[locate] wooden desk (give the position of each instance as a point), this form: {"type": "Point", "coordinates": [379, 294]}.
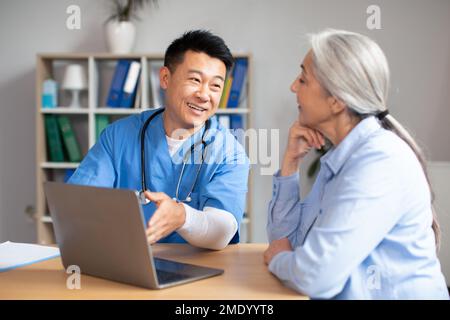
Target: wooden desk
{"type": "Point", "coordinates": [246, 277]}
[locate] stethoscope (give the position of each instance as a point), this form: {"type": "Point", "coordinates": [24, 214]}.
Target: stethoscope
{"type": "Point", "coordinates": [188, 198]}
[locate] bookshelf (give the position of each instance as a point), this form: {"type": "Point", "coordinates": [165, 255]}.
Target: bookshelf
{"type": "Point", "coordinates": [99, 68]}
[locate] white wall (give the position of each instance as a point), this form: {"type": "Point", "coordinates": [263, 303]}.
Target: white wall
{"type": "Point", "coordinates": [440, 177]}
{"type": "Point", "coordinates": [414, 37]}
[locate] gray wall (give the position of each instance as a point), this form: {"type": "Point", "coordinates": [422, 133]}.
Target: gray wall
{"type": "Point", "coordinates": [414, 36]}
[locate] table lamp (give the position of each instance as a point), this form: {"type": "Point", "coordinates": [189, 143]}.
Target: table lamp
{"type": "Point", "coordinates": [75, 81]}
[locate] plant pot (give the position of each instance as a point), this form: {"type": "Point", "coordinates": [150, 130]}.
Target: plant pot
{"type": "Point", "coordinates": [120, 36]}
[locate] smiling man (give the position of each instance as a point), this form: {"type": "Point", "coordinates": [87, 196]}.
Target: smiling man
{"type": "Point", "coordinates": [162, 152]}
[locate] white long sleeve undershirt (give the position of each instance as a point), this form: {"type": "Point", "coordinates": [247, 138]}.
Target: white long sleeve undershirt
{"type": "Point", "coordinates": [211, 228]}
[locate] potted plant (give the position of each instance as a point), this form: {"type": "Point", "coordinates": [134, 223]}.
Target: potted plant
{"type": "Point", "coordinates": [120, 29]}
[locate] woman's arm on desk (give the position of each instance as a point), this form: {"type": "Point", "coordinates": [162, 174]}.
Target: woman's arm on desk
{"type": "Point", "coordinates": [353, 223]}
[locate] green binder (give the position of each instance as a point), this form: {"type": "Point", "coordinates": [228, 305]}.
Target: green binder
{"type": "Point", "coordinates": [101, 122]}
{"type": "Point", "coordinates": [54, 145]}
{"type": "Point", "coordinates": [70, 142]}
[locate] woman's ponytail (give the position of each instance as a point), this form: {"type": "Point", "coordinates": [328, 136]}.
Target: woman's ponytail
{"type": "Point", "coordinates": [390, 123]}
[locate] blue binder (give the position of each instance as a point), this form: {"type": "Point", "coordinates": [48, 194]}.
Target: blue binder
{"type": "Point", "coordinates": [130, 85]}
{"type": "Point", "coordinates": [239, 75]}
{"type": "Point", "coordinates": [117, 82]}
{"type": "Point", "coordinates": [236, 123]}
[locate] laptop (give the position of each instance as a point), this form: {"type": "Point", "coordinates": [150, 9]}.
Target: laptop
{"type": "Point", "coordinates": [102, 231]}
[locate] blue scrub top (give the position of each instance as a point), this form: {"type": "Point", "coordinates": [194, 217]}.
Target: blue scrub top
{"type": "Point", "coordinates": [115, 162]}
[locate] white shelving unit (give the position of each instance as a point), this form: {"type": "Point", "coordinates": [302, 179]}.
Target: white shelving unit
{"type": "Point", "coordinates": [99, 69]}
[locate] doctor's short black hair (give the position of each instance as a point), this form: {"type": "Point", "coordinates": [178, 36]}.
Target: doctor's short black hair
{"type": "Point", "coordinates": [197, 41]}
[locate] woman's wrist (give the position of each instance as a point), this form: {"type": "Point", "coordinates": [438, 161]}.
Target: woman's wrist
{"type": "Point", "coordinates": [289, 166]}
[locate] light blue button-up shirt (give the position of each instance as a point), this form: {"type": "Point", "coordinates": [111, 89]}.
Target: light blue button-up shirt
{"type": "Point", "coordinates": [364, 231]}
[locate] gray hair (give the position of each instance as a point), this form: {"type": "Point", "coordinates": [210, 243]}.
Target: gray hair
{"type": "Point", "coordinates": [354, 69]}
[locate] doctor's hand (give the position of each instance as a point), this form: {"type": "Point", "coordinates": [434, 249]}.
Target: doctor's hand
{"type": "Point", "coordinates": [301, 140]}
{"type": "Point", "coordinates": [276, 247]}
{"type": "Point", "coordinates": [168, 217]}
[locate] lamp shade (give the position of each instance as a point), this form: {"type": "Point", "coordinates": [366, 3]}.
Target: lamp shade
{"type": "Point", "coordinates": [74, 78]}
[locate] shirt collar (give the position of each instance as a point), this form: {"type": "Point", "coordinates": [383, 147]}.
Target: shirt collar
{"type": "Point", "coordinates": [336, 156]}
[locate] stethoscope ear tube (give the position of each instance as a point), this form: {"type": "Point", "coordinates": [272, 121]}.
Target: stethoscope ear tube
{"type": "Point", "coordinates": [142, 137]}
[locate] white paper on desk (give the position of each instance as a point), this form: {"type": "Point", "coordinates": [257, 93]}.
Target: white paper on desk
{"type": "Point", "coordinates": [14, 255]}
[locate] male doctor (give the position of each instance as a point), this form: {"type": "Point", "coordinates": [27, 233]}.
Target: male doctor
{"type": "Point", "coordinates": [197, 201]}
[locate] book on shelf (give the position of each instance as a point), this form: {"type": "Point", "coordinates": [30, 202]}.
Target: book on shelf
{"type": "Point", "coordinates": [117, 83]}
{"type": "Point", "coordinates": [224, 120]}
{"type": "Point", "coordinates": [239, 76]}
{"type": "Point", "coordinates": [157, 93]}
{"type": "Point", "coordinates": [237, 127]}
{"type": "Point", "coordinates": [226, 91]}
{"type": "Point", "coordinates": [138, 98]}
{"type": "Point", "coordinates": [68, 136]}
{"type": "Point", "coordinates": [128, 93]}
{"type": "Point", "coordinates": [233, 122]}
{"type": "Point", "coordinates": [55, 151]}
{"type": "Point", "coordinates": [101, 122]}
{"type": "Point", "coordinates": [236, 121]}
{"type": "Point", "coordinates": [49, 94]}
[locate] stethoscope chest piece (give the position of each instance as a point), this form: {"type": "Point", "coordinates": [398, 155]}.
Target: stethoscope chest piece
{"type": "Point", "coordinates": [142, 198]}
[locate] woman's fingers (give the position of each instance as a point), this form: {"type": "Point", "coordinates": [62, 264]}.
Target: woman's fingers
{"type": "Point", "coordinates": [318, 139]}
{"type": "Point", "coordinates": [322, 138]}
{"type": "Point", "coordinates": [313, 137]}
{"type": "Point", "coordinates": [309, 137]}
{"type": "Point", "coordinates": [301, 140]}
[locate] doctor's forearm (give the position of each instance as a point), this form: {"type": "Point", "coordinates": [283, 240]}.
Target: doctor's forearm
{"type": "Point", "coordinates": [211, 229]}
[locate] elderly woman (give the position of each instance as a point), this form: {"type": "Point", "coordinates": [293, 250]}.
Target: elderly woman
{"type": "Point", "coordinates": [367, 229]}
